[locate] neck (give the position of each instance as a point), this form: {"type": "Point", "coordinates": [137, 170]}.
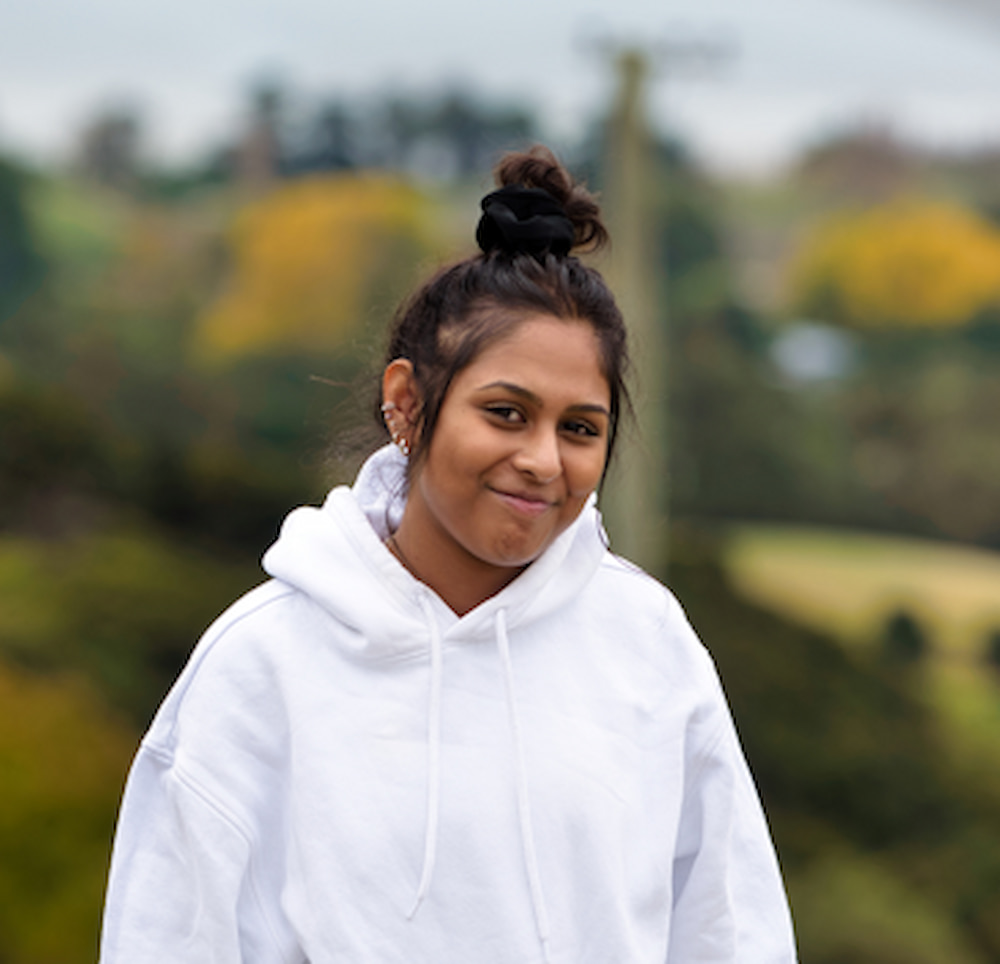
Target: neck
{"type": "Point", "coordinates": [462, 580]}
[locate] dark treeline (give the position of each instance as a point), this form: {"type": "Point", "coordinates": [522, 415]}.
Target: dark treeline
{"type": "Point", "coordinates": [451, 135]}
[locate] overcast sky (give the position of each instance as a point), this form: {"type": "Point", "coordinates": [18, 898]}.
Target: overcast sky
{"type": "Point", "coordinates": [800, 67]}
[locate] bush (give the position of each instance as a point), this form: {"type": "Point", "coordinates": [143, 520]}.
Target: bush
{"type": "Point", "coordinates": [904, 640]}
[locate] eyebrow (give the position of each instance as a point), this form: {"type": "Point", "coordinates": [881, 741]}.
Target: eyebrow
{"type": "Point", "coordinates": [531, 397]}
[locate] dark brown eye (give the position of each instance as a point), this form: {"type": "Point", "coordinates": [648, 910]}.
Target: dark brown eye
{"type": "Point", "coordinates": [506, 413]}
{"type": "Point", "coordinates": [582, 428]}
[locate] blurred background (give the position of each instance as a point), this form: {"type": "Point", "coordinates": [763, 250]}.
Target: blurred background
{"type": "Point", "coordinates": [208, 213]}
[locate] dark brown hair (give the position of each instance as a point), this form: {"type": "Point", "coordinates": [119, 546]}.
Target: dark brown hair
{"type": "Point", "coordinates": [470, 305]}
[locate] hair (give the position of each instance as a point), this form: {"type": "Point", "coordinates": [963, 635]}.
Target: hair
{"type": "Point", "coordinates": [468, 306]}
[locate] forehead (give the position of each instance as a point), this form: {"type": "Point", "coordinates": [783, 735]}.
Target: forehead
{"type": "Point", "coordinates": [544, 352]}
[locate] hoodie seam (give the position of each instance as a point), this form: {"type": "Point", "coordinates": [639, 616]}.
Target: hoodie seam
{"type": "Point", "coordinates": [164, 746]}
{"type": "Point", "coordinates": [189, 783]}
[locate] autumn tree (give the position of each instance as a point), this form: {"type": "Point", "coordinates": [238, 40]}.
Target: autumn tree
{"type": "Point", "coordinates": [63, 758]}
{"type": "Point", "coordinates": [905, 264]}
{"type": "Point", "coordinates": [310, 260]}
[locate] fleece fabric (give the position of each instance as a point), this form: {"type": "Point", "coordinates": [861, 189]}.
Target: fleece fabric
{"type": "Point", "coordinates": [347, 772]}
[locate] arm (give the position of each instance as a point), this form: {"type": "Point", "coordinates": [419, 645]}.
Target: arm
{"type": "Point", "coordinates": [181, 889]}
{"type": "Point", "coordinates": [729, 901]}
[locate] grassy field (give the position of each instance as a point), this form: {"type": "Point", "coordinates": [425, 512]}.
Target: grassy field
{"type": "Point", "coordinates": [849, 585]}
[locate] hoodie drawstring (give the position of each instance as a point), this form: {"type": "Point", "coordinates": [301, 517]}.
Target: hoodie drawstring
{"type": "Point", "coordinates": [520, 775]}
{"type": "Point", "coordinates": [521, 779]}
{"type": "Point", "coordinates": [433, 760]}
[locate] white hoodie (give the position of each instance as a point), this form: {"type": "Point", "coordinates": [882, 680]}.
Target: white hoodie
{"type": "Point", "coordinates": [348, 772]}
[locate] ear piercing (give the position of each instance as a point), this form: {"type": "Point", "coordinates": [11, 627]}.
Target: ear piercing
{"type": "Point", "coordinates": [398, 439]}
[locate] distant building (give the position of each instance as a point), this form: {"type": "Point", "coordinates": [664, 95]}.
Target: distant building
{"type": "Point", "coordinates": [108, 151]}
{"type": "Point", "coordinates": [869, 164]}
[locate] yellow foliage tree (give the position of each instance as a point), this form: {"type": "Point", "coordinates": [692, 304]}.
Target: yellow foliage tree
{"type": "Point", "coordinates": [309, 259]}
{"type": "Point", "coordinates": [909, 263]}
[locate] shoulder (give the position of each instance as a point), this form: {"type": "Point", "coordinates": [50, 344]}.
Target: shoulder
{"type": "Point", "coordinates": [639, 585]}
{"type": "Point", "coordinates": [224, 729]}
{"type": "Point", "coordinates": [232, 665]}
{"type": "Point", "coordinates": [643, 618]}
{"type": "Point", "coordinates": [637, 597]}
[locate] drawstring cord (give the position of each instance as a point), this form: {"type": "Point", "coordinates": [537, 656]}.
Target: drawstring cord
{"type": "Point", "coordinates": [521, 779]}
{"type": "Point", "coordinates": [433, 760]}
{"type": "Point", "coordinates": [520, 776]}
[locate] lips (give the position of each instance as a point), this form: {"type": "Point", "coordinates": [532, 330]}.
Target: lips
{"type": "Point", "coordinates": [522, 503]}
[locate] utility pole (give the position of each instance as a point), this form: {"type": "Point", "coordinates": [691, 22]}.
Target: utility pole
{"type": "Point", "coordinates": [635, 504]}
{"type": "Point", "coordinates": [636, 501]}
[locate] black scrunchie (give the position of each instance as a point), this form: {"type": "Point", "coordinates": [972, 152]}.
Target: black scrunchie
{"type": "Point", "coordinates": [524, 219]}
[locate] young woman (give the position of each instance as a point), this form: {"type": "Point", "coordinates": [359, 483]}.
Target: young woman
{"type": "Point", "coordinates": [454, 727]}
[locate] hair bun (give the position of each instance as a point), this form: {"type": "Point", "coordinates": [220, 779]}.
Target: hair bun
{"type": "Point", "coordinates": [539, 169]}
{"type": "Point", "coordinates": [525, 220]}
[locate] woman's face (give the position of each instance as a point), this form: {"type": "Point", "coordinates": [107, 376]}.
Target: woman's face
{"type": "Point", "coordinates": [520, 444]}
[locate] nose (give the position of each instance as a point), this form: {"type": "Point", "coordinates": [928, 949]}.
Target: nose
{"type": "Point", "coordinates": [538, 456]}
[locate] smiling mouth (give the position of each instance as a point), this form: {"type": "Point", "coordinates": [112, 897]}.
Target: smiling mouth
{"type": "Point", "coordinates": [523, 504]}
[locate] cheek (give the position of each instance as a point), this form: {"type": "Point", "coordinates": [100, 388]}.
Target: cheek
{"type": "Point", "coordinates": [583, 473]}
{"type": "Point", "coordinates": [449, 476]}
{"type": "Point", "coordinates": [449, 467]}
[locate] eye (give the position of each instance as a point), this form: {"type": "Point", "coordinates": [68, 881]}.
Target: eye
{"type": "Point", "coordinates": [581, 428]}
{"type": "Point", "coordinates": [508, 414]}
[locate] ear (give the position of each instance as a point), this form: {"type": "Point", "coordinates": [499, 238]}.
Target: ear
{"type": "Point", "coordinates": [400, 392]}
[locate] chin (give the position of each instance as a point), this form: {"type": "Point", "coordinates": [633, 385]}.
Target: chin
{"type": "Point", "coordinates": [514, 555]}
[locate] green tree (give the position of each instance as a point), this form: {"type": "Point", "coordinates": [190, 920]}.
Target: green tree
{"type": "Point", "coordinates": [21, 265]}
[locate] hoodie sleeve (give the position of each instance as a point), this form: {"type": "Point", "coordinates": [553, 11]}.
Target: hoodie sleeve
{"type": "Point", "coordinates": [729, 899]}
{"type": "Point", "coordinates": [181, 889]}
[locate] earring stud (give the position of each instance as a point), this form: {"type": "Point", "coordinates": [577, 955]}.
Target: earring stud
{"type": "Point", "coordinates": [400, 442]}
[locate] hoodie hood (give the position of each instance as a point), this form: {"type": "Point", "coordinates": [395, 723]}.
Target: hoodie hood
{"type": "Point", "coordinates": [336, 555]}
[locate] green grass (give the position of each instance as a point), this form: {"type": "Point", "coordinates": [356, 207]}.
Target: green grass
{"type": "Point", "coordinates": [848, 584]}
